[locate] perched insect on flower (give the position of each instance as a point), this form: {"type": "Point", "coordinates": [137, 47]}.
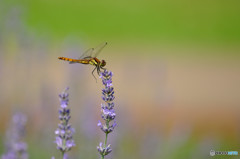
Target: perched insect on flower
{"type": "Point", "coordinates": [90, 57]}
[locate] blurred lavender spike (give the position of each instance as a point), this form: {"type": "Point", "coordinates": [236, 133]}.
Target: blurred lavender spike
{"type": "Point", "coordinates": [108, 113]}
{"type": "Point", "coordinates": [64, 132]}
{"type": "Point", "coordinates": [15, 147]}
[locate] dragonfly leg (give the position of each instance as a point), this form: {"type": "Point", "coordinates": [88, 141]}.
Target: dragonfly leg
{"type": "Point", "coordinates": [93, 74]}
{"type": "Point", "coordinates": [98, 70]}
{"type": "Point", "coordinates": [102, 69]}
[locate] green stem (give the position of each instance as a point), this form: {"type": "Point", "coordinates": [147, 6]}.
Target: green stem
{"type": "Point", "coordinates": [105, 143]}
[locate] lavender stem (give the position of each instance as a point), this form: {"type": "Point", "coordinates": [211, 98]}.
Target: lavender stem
{"type": "Point", "coordinates": [108, 113]}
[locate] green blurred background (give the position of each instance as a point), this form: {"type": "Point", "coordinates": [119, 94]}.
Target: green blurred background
{"type": "Point", "coordinates": [176, 68]}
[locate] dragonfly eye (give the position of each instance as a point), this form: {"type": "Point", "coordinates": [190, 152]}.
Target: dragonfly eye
{"type": "Point", "coordinates": [103, 63]}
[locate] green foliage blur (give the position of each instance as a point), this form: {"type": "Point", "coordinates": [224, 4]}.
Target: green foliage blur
{"type": "Point", "coordinates": [140, 21]}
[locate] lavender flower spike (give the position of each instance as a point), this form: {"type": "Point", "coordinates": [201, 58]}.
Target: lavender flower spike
{"type": "Point", "coordinates": [15, 147]}
{"type": "Point", "coordinates": [64, 131]}
{"type": "Point", "coordinates": [108, 113]}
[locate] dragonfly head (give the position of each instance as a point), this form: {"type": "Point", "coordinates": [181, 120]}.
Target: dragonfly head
{"type": "Point", "coordinates": [103, 63]}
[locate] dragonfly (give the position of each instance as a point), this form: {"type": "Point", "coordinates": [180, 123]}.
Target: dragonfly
{"type": "Point", "coordinates": [90, 57]}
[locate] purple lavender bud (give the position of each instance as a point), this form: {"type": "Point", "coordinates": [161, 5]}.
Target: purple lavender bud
{"type": "Point", "coordinates": [99, 148]}
{"type": "Point", "coordinates": [108, 90]}
{"type": "Point", "coordinates": [64, 132]}
{"type": "Point", "coordinates": [108, 98]}
{"type": "Point", "coordinates": [107, 106]}
{"type": "Point", "coordinates": [70, 144]}
{"type": "Point", "coordinates": [99, 123]}
{"type": "Point", "coordinates": [104, 151]}
{"type": "Point", "coordinates": [59, 142]}
{"type": "Point", "coordinates": [110, 105]}
{"type": "Point", "coordinates": [108, 114]}
{"type": "Point", "coordinates": [107, 129]}
{"type": "Point", "coordinates": [108, 149]}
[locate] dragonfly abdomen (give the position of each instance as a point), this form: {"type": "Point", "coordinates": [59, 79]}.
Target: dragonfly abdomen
{"type": "Point", "coordinates": [67, 59]}
{"type": "Point", "coordinates": [74, 60]}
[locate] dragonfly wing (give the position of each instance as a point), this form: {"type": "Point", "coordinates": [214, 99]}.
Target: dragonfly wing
{"type": "Point", "coordinates": [98, 49]}
{"type": "Point", "coordinates": [86, 54]}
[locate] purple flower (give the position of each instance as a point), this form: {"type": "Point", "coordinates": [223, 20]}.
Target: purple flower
{"type": "Point", "coordinates": [64, 99]}
{"type": "Point", "coordinates": [64, 131]}
{"type": "Point", "coordinates": [15, 147]}
{"type": "Point", "coordinates": [104, 150]}
{"type": "Point", "coordinates": [107, 128]}
{"type": "Point", "coordinates": [107, 112]}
